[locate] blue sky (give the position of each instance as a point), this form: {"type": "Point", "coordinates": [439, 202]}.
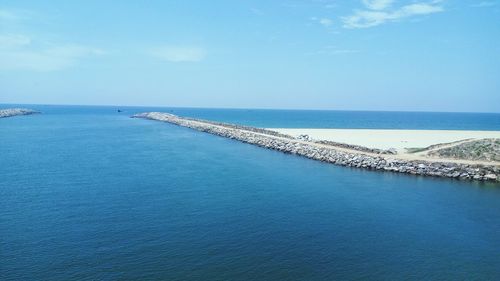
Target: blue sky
{"type": "Point", "coordinates": [421, 55]}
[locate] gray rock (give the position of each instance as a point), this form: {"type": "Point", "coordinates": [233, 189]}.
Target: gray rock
{"type": "Point", "coordinates": [287, 144]}
{"type": "Point", "coordinates": [490, 176]}
{"type": "Point", "coordinates": [9, 112]}
{"type": "Point", "coordinates": [392, 151]}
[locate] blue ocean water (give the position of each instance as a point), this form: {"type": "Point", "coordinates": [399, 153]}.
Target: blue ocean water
{"type": "Point", "coordinates": [90, 194]}
{"type": "Point", "coordinates": [307, 118]}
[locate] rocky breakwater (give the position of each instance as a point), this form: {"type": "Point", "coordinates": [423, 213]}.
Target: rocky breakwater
{"type": "Point", "coordinates": [9, 112]}
{"type": "Point", "coordinates": [330, 154]}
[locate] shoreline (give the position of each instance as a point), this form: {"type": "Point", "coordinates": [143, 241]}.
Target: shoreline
{"type": "Point", "coordinates": [389, 138]}
{"type": "Point", "coordinates": [343, 156]}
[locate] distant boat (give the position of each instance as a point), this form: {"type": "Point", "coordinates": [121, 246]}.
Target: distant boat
{"type": "Point", "coordinates": [119, 110]}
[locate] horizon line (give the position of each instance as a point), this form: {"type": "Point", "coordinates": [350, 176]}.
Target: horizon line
{"type": "Point", "coordinates": [248, 108]}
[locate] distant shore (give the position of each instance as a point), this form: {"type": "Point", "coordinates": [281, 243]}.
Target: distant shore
{"type": "Point", "coordinates": [339, 153]}
{"type": "Point", "coordinates": [10, 112]}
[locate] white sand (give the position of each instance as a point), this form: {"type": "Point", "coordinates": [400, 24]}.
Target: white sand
{"type": "Point", "coordinates": [384, 139]}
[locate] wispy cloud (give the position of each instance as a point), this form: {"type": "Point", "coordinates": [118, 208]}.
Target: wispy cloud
{"type": "Point", "coordinates": [22, 52]}
{"type": "Point", "coordinates": [15, 15]}
{"type": "Point", "coordinates": [377, 4]}
{"type": "Point", "coordinates": [17, 53]}
{"type": "Point", "coordinates": [326, 22]}
{"type": "Point", "coordinates": [8, 15]}
{"type": "Point", "coordinates": [378, 12]}
{"type": "Point", "coordinates": [179, 53]}
{"type": "Point", "coordinates": [13, 40]}
{"type": "Point", "coordinates": [484, 4]}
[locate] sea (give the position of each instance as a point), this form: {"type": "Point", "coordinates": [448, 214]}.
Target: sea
{"type": "Point", "coordinates": [88, 193]}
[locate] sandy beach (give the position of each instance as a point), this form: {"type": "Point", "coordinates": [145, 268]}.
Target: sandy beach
{"type": "Point", "coordinates": [385, 139]}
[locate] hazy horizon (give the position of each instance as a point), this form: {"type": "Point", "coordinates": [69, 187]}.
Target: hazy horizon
{"type": "Point", "coordinates": [242, 108]}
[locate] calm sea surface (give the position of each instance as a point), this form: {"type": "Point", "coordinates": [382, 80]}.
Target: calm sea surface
{"type": "Point", "coordinates": [87, 193]}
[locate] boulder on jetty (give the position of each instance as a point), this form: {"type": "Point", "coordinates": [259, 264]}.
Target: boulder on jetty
{"type": "Point", "coordinates": [339, 154]}
{"type": "Point", "coordinates": [9, 112]}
